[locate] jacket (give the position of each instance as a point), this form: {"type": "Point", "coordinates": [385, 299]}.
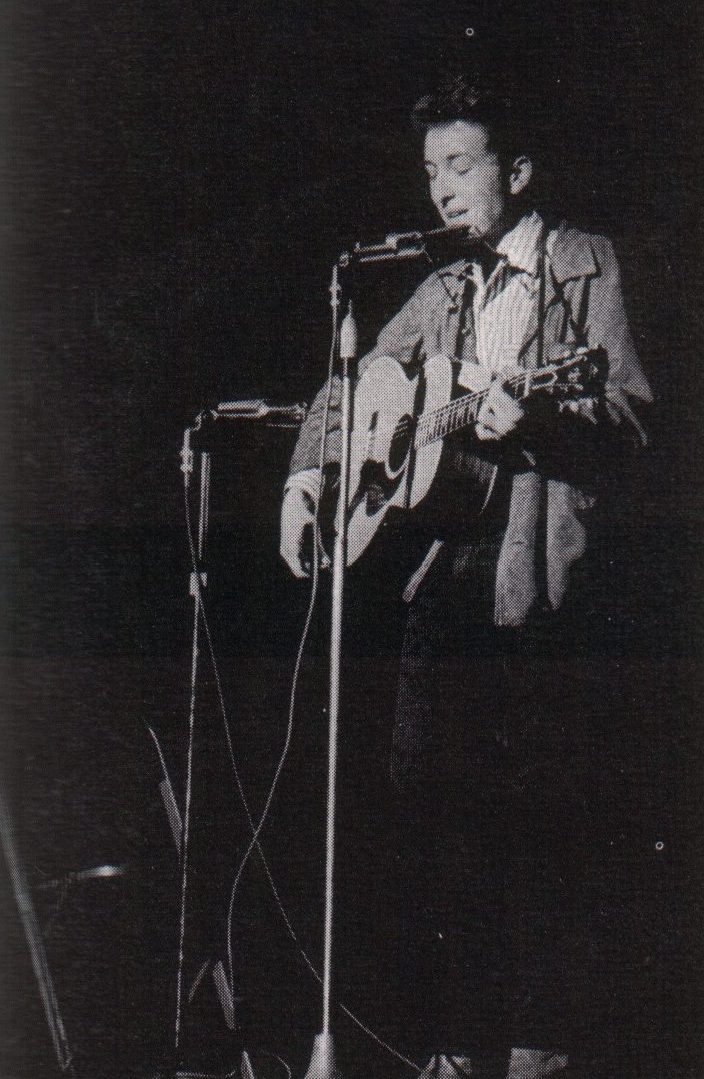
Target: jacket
{"type": "Point", "coordinates": [582, 304]}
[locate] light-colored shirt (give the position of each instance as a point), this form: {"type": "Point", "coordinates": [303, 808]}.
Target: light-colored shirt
{"type": "Point", "coordinates": [502, 305]}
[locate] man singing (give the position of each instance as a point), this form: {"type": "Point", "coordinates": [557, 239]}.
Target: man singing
{"type": "Point", "coordinates": [495, 750]}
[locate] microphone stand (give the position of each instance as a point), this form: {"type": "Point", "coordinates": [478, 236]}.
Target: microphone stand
{"type": "Point", "coordinates": [396, 247]}
{"type": "Point", "coordinates": [259, 412]}
{"type": "Point", "coordinates": [322, 1064]}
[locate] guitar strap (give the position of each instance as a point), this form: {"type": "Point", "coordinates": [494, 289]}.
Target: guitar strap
{"type": "Point", "coordinates": [542, 275]}
{"type": "Point", "coordinates": [465, 349]}
{"type": "Point", "coordinates": [541, 537]}
{"type": "Point", "coordinates": [465, 340]}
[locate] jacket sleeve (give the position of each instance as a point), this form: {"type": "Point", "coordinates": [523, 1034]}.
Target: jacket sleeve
{"type": "Point", "coordinates": [607, 326]}
{"type": "Point", "coordinates": [402, 339]}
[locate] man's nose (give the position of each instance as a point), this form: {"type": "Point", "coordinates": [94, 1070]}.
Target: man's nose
{"type": "Point", "coordinates": [444, 189]}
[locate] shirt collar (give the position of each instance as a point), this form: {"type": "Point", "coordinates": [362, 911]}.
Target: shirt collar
{"type": "Point", "coordinates": [520, 247]}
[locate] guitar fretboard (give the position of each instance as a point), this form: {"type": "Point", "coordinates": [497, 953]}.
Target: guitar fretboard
{"type": "Point", "coordinates": [463, 411]}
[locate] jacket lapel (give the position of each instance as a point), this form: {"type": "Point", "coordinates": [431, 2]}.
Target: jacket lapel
{"type": "Point", "coordinates": [569, 258]}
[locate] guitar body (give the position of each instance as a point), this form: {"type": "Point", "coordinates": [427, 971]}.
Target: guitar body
{"type": "Point", "coordinates": [404, 426]}
{"type": "Point", "coordinates": [388, 470]}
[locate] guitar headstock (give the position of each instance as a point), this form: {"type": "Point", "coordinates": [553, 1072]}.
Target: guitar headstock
{"type": "Point", "coordinates": [581, 374]}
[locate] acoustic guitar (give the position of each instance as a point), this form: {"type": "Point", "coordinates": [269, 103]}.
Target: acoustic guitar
{"type": "Point", "coordinates": [402, 416]}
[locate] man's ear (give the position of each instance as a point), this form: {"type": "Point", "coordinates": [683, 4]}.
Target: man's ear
{"type": "Point", "coordinates": [520, 174]}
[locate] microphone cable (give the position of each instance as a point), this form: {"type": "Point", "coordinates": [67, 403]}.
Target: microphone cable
{"type": "Point", "coordinates": [256, 829]}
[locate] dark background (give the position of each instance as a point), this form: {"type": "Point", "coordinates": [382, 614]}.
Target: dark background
{"type": "Point", "coordinates": [177, 181]}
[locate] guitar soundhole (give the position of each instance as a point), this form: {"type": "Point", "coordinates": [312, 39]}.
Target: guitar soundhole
{"type": "Point", "coordinates": [400, 443]}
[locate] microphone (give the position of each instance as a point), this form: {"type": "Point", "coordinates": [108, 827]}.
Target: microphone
{"type": "Point", "coordinates": [461, 232]}
{"type": "Point", "coordinates": [259, 409]}
{"type": "Point", "coordinates": [407, 245]}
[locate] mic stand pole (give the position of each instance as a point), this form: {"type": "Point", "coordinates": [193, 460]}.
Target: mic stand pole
{"type": "Point", "coordinates": [396, 247]}
{"type": "Point", "coordinates": [197, 582]}
{"type": "Point", "coordinates": [322, 1063]}
{"type": "Point", "coordinates": [269, 414]}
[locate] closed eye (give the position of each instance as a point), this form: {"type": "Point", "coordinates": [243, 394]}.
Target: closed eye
{"type": "Point", "coordinates": [459, 164]}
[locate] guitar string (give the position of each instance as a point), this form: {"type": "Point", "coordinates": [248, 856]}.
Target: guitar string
{"type": "Point", "coordinates": [440, 419]}
{"type": "Point", "coordinates": [451, 410]}
{"type": "Point", "coordinates": [454, 408]}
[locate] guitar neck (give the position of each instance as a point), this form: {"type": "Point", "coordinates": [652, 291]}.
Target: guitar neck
{"type": "Point", "coordinates": [463, 411]}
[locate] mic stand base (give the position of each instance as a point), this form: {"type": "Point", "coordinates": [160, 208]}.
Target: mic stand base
{"type": "Point", "coordinates": [172, 1070]}
{"type": "Point", "coordinates": [322, 1062]}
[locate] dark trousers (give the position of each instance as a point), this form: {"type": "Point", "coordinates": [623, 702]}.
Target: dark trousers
{"type": "Point", "coordinates": [491, 762]}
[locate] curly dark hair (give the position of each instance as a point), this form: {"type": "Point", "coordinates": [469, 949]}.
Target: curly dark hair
{"type": "Point", "coordinates": [460, 96]}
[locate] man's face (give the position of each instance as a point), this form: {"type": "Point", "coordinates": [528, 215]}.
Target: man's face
{"type": "Point", "coordinates": [466, 184]}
